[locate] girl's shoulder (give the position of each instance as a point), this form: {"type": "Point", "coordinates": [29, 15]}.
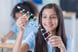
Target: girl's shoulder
{"type": "Point", "coordinates": [69, 37]}
{"type": "Point", "coordinates": [33, 23]}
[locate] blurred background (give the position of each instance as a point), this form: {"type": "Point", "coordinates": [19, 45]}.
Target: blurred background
{"type": "Point", "coordinates": [70, 12]}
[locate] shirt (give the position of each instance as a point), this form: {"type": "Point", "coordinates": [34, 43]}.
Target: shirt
{"type": "Point", "coordinates": [30, 40]}
{"type": "Point", "coordinates": [31, 26]}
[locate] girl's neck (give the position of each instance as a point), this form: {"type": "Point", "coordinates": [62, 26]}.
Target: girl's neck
{"type": "Point", "coordinates": [53, 32]}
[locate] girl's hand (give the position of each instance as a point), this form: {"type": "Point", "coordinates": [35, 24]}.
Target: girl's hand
{"type": "Point", "coordinates": [55, 41]}
{"type": "Point", "coordinates": [3, 39]}
{"type": "Point", "coordinates": [22, 21]}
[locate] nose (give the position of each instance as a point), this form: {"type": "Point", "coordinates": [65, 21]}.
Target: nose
{"type": "Point", "coordinates": [48, 20]}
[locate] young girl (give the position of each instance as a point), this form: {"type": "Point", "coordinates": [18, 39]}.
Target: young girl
{"type": "Point", "coordinates": [50, 36]}
{"type": "Point", "coordinates": [17, 13]}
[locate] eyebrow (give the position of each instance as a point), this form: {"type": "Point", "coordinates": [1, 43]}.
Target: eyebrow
{"type": "Point", "coordinates": [51, 14]}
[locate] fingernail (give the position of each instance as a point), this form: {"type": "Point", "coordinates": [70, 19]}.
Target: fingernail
{"type": "Point", "coordinates": [52, 42]}
{"type": "Point", "coordinates": [52, 39]}
{"type": "Point", "coordinates": [27, 12]}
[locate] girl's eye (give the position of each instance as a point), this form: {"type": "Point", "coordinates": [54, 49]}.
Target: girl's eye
{"type": "Point", "coordinates": [44, 17]}
{"type": "Point", "coordinates": [22, 13]}
{"type": "Point", "coordinates": [53, 17]}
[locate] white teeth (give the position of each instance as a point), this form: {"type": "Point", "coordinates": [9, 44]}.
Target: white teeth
{"type": "Point", "coordinates": [48, 25]}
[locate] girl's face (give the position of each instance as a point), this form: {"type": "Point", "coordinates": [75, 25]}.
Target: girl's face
{"type": "Point", "coordinates": [18, 14]}
{"type": "Point", "coordinates": [49, 20]}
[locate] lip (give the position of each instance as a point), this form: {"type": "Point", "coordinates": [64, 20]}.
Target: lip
{"type": "Point", "coordinates": [48, 25]}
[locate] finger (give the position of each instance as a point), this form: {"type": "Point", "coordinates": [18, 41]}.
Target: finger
{"type": "Point", "coordinates": [58, 40]}
{"type": "Point", "coordinates": [24, 20]}
{"type": "Point", "coordinates": [53, 41]}
{"type": "Point", "coordinates": [54, 37]}
{"type": "Point", "coordinates": [23, 15]}
{"type": "Point", "coordinates": [22, 26]}
{"type": "Point", "coordinates": [53, 44]}
{"type": "Point", "coordinates": [21, 23]}
{"type": "Point", "coordinates": [26, 16]}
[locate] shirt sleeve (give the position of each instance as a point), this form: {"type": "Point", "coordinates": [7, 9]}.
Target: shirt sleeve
{"type": "Point", "coordinates": [30, 27]}
{"type": "Point", "coordinates": [69, 44]}
{"type": "Point", "coordinates": [30, 40]}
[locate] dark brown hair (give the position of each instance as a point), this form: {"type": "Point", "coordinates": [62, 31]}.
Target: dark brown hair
{"type": "Point", "coordinates": [40, 43]}
{"type": "Point", "coordinates": [26, 5]}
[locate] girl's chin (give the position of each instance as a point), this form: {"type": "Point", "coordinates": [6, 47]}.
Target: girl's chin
{"type": "Point", "coordinates": [48, 27]}
{"type": "Point", "coordinates": [49, 30]}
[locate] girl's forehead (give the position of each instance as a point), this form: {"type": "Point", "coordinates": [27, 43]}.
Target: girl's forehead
{"type": "Point", "coordinates": [50, 11]}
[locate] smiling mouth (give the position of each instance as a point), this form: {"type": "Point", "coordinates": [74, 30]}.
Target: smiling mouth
{"type": "Point", "coordinates": [48, 25]}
